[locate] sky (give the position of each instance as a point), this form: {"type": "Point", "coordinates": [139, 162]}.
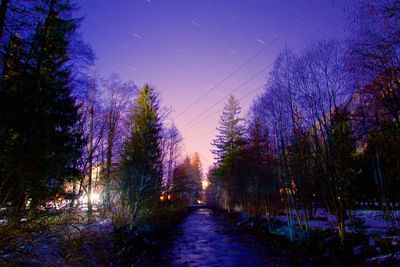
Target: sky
{"type": "Point", "coordinates": [198, 52]}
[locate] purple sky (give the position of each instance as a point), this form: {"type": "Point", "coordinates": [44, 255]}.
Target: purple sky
{"type": "Point", "coordinates": [185, 48]}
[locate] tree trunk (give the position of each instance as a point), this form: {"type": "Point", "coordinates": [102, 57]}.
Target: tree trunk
{"type": "Point", "coordinates": [342, 231]}
{"type": "Point", "coordinates": [89, 191]}
{"type": "Point", "coordinates": [110, 141]}
{"type": "Point", "coordinates": [71, 205]}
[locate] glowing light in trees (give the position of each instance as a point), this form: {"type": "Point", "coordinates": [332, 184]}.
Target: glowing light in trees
{"type": "Point", "coordinates": [205, 184]}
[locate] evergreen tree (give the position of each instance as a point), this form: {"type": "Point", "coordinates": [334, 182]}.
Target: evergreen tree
{"type": "Point", "coordinates": [184, 186]}
{"type": "Point", "coordinates": [39, 137]}
{"type": "Point", "coordinates": [258, 179]}
{"type": "Point", "coordinates": [228, 152]}
{"type": "Point", "coordinates": [383, 167]}
{"type": "Point", "coordinates": [230, 130]}
{"type": "Point", "coordinates": [197, 174]}
{"type": "Point", "coordinates": [12, 97]}
{"type": "Point", "coordinates": [340, 163]}
{"type": "Point", "coordinates": [141, 162]}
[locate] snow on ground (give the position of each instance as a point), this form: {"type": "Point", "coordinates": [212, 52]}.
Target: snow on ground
{"type": "Point", "coordinates": [78, 244]}
{"type": "Point", "coordinates": [373, 220]}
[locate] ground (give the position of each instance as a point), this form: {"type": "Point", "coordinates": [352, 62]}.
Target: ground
{"type": "Point", "coordinates": [204, 237]}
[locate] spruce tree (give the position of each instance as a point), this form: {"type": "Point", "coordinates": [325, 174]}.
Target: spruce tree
{"type": "Point", "coordinates": [141, 162]}
{"type": "Point", "coordinates": [197, 174]}
{"type": "Point", "coordinates": [12, 98]}
{"type": "Point", "coordinates": [184, 188]}
{"type": "Point", "coordinates": [257, 173]}
{"type": "Point", "coordinates": [228, 145]}
{"type": "Point", "coordinates": [39, 138]}
{"type": "Point", "coordinates": [230, 129]}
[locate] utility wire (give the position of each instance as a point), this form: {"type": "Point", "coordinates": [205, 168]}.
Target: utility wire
{"type": "Point", "coordinates": [234, 72]}
{"type": "Point", "coordinates": [186, 126]}
{"type": "Point", "coordinates": [251, 78]}
{"type": "Point", "coordinates": [223, 98]}
{"type": "Point", "coordinates": [218, 111]}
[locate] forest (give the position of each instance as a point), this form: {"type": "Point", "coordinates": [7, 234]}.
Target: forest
{"type": "Point", "coordinates": [93, 170]}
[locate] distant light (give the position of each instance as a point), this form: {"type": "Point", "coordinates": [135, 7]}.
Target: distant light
{"type": "Point", "coordinates": [162, 198]}
{"type": "Point", "coordinates": [205, 184]}
{"type": "Point", "coordinates": [95, 197]}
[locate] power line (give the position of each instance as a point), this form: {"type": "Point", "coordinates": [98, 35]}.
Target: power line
{"type": "Point", "coordinates": [251, 78]}
{"type": "Point", "coordinates": [218, 111]}
{"type": "Point", "coordinates": [223, 98]}
{"type": "Point", "coordinates": [241, 85]}
{"type": "Point", "coordinates": [233, 72]}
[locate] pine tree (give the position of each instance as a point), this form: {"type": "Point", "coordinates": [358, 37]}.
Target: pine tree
{"type": "Point", "coordinates": [12, 91]}
{"type": "Point", "coordinates": [141, 163]}
{"type": "Point", "coordinates": [228, 152]}
{"type": "Point", "coordinates": [341, 150]}
{"type": "Point", "coordinates": [258, 182]}
{"type": "Point", "coordinates": [40, 140]}
{"type": "Point", "coordinates": [183, 183]}
{"type": "Point", "coordinates": [230, 130]}
{"type": "Point", "coordinates": [197, 174]}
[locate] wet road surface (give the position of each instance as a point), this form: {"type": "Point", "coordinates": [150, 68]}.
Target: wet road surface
{"type": "Point", "coordinates": [206, 239]}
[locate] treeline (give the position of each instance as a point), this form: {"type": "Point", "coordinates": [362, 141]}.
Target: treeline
{"type": "Point", "coordinates": [72, 139]}
{"type": "Point", "coordinates": [324, 133]}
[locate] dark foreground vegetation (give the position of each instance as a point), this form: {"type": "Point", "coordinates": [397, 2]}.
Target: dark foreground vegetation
{"type": "Point", "coordinates": [71, 240]}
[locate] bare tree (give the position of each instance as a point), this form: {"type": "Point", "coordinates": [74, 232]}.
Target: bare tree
{"type": "Point", "coordinates": [172, 150]}
{"type": "Point", "coordinates": [374, 52]}
{"type": "Point", "coordinates": [326, 94]}
{"type": "Point", "coordinates": [117, 98]}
